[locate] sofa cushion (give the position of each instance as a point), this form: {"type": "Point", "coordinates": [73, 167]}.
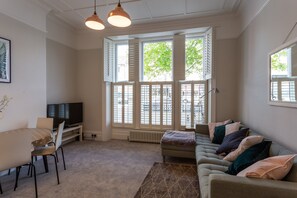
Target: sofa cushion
{"type": "Point", "coordinates": [250, 156]}
{"type": "Point", "coordinates": [275, 168]}
{"type": "Point", "coordinates": [223, 130]}
{"type": "Point", "coordinates": [219, 134]}
{"type": "Point", "coordinates": [292, 175]}
{"type": "Point", "coordinates": [231, 128]}
{"type": "Point", "coordinates": [204, 170]}
{"type": "Point", "coordinates": [244, 145]}
{"type": "Point", "coordinates": [232, 141]}
{"type": "Point", "coordinates": [206, 154]}
{"type": "Point", "coordinates": [202, 139]}
{"type": "Point", "coordinates": [212, 125]}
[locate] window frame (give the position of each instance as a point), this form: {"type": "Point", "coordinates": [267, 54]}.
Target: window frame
{"type": "Point", "coordinates": [138, 76]}
{"type": "Point", "coordinates": [194, 36]}
{"type": "Point", "coordinates": [154, 40]}
{"type": "Point", "coordinates": [116, 44]}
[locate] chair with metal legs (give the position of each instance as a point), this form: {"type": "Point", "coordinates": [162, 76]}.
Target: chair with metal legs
{"type": "Point", "coordinates": [50, 150]}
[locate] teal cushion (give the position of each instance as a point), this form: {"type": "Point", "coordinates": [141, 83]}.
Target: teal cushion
{"type": "Point", "coordinates": [219, 134]}
{"type": "Point", "coordinates": [250, 156]}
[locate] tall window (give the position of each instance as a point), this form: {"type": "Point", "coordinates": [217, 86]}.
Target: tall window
{"type": "Point", "coordinates": [122, 66]}
{"type": "Point", "coordinates": [123, 92]}
{"type": "Point", "coordinates": [194, 58]}
{"type": "Point", "coordinates": [157, 61]}
{"type": "Point", "coordinates": [156, 95]}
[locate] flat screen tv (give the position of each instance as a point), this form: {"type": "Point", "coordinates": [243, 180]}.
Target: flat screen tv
{"type": "Point", "coordinates": [71, 113]}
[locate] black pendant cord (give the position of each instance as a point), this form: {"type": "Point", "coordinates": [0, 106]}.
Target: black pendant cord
{"type": "Point", "coordinates": [95, 3]}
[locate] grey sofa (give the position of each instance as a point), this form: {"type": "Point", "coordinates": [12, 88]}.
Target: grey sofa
{"type": "Point", "coordinates": [215, 183]}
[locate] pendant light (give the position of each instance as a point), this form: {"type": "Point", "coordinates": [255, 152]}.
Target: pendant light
{"type": "Point", "coordinates": [94, 22]}
{"type": "Point", "coordinates": [118, 17]}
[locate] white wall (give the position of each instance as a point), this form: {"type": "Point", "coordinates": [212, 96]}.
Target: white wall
{"type": "Point", "coordinates": [60, 31]}
{"type": "Point", "coordinates": [266, 32]}
{"type": "Point", "coordinates": [226, 68]}
{"type": "Point", "coordinates": [28, 75]}
{"type": "Point", "coordinates": [90, 88]}
{"type": "Point", "coordinates": [30, 12]}
{"type": "Point", "coordinates": [61, 73]}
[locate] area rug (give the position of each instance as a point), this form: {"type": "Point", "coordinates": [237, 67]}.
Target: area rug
{"type": "Point", "coordinates": [170, 180]}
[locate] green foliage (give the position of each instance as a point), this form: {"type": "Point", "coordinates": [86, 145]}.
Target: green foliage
{"type": "Point", "coordinates": [157, 59]}
{"type": "Point", "coordinates": [194, 57]}
{"type": "Point", "coordinates": [276, 61]}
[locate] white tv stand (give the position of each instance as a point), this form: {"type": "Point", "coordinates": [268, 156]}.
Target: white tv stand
{"type": "Point", "coordinates": [72, 133]}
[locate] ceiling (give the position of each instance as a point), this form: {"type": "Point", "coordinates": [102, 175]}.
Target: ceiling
{"type": "Point", "coordinates": [74, 12]}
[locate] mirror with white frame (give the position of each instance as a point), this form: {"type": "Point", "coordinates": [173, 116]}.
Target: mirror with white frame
{"type": "Point", "coordinates": [283, 75]}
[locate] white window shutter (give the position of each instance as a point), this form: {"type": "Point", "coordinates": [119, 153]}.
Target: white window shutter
{"type": "Point", "coordinates": [134, 60]}
{"type": "Point", "coordinates": [179, 57]}
{"type": "Point", "coordinates": [208, 54]}
{"type": "Point", "coordinates": [109, 60]}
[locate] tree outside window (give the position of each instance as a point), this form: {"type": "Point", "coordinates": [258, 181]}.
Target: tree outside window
{"type": "Point", "coordinates": [157, 61]}
{"type": "Point", "coordinates": [194, 59]}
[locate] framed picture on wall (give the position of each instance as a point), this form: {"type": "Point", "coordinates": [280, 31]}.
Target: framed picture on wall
{"type": "Point", "coordinates": [5, 70]}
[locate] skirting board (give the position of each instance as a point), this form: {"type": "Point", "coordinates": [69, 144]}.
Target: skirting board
{"type": "Point", "coordinates": [120, 134]}
{"type": "Point", "coordinates": [88, 134]}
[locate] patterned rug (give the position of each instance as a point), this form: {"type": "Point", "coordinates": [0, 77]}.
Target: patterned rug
{"type": "Point", "coordinates": [168, 180]}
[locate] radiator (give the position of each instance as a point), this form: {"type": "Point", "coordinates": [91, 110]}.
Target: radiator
{"type": "Point", "coordinates": [145, 136]}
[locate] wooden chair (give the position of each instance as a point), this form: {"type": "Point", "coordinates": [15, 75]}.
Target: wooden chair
{"type": "Point", "coordinates": [45, 123]}
{"type": "Point", "coordinates": [15, 151]}
{"type": "Point", "coordinates": [50, 150]}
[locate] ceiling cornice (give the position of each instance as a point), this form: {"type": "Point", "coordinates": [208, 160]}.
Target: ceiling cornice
{"type": "Point", "coordinates": [248, 10]}
{"type": "Point", "coordinates": [32, 13]}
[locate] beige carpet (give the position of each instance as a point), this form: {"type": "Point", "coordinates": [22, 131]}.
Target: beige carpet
{"type": "Point", "coordinates": [169, 180]}
{"type": "Point", "coordinates": [110, 169]}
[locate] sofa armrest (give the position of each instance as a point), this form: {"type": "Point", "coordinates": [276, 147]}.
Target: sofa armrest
{"type": "Point", "coordinates": [202, 128]}
{"type": "Point", "coordinates": [234, 186]}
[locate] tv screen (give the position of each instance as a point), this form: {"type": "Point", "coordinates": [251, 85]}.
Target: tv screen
{"type": "Point", "coordinates": [71, 113]}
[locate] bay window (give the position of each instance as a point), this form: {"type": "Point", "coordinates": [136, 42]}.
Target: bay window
{"type": "Point", "coordinates": [155, 87]}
